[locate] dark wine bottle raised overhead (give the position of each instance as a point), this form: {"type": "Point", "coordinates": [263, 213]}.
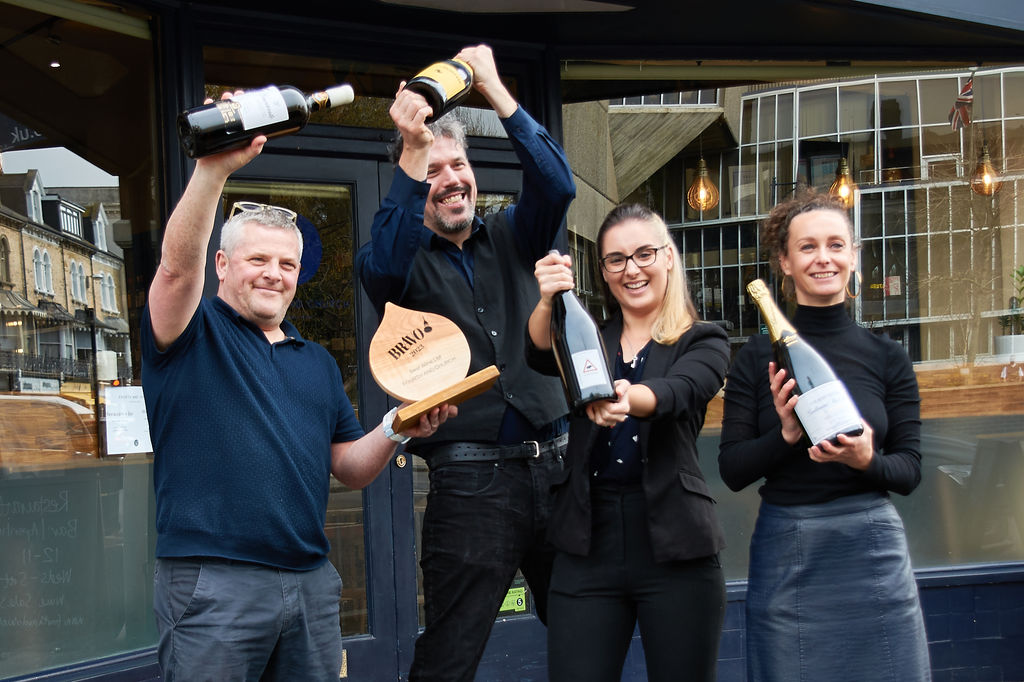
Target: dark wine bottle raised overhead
{"type": "Point", "coordinates": [579, 351]}
{"type": "Point", "coordinates": [825, 408]}
{"type": "Point", "coordinates": [444, 85]}
{"type": "Point", "coordinates": [271, 111]}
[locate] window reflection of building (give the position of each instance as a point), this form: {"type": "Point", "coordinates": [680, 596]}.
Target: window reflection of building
{"type": "Point", "coordinates": [935, 257]}
{"type": "Point", "coordinates": [58, 348]}
{"type": "Point", "coordinates": [64, 303]}
{"type": "Point", "coordinates": [5, 261]}
{"type": "Point", "coordinates": [935, 262]}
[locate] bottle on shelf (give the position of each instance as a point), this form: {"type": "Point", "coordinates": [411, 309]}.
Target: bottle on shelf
{"type": "Point", "coordinates": [444, 85]}
{"type": "Point", "coordinates": [825, 408]}
{"type": "Point", "coordinates": [579, 352]}
{"type": "Point", "coordinates": [873, 286]}
{"type": "Point", "coordinates": [895, 291]}
{"type": "Point", "coordinates": [272, 111]}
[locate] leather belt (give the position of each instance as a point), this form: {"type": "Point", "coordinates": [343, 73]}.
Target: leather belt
{"type": "Point", "coordinates": [448, 453]}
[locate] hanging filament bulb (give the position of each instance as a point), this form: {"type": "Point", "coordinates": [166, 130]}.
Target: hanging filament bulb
{"type": "Point", "coordinates": [702, 195]}
{"type": "Point", "coordinates": [985, 181]}
{"type": "Point", "coordinates": [843, 186]}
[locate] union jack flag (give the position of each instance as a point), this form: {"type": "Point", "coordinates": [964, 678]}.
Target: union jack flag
{"type": "Point", "coordinates": [960, 114]}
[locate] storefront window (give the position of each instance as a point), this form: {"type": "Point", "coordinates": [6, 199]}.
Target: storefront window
{"type": "Point", "coordinates": [817, 112]}
{"type": "Point", "coordinates": [935, 102]}
{"type": "Point", "coordinates": [78, 221]}
{"type": "Point", "coordinates": [936, 265]}
{"type": "Point", "coordinates": [856, 107]}
{"type": "Point", "coordinates": [897, 103]}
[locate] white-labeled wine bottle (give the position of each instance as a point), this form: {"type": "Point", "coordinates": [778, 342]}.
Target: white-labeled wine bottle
{"type": "Point", "coordinates": [272, 111]}
{"type": "Point", "coordinates": [825, 408]}
{"type": "Point", "coordinates": [444, 85]}
{"type": "Point", "coordinates": [579, 352]}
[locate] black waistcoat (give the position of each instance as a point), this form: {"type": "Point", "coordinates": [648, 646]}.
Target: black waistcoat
{"type": "Point", "coordinates": [493, 316]}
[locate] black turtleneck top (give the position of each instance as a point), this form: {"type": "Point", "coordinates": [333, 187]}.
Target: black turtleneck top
{"type": "Point", "coordinates": [881, 380]}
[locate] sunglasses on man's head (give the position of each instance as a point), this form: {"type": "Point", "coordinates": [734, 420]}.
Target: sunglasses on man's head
{"type": "Point", "coordinates": [255, 207]}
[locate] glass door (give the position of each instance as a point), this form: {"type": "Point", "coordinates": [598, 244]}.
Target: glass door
{"type": "Point", "coordinates": [335, 199]}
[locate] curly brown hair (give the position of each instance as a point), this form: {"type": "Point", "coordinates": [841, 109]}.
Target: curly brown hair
{"type": "Point", "coordinates": [775, 229]}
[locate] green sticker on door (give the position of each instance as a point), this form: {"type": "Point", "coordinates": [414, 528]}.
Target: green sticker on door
{"type": "Point", "coordinates": [515, 600]}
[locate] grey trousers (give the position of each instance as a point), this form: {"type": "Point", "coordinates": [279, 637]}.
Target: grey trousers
{"type": "Point", "coordinates": [230, 620]}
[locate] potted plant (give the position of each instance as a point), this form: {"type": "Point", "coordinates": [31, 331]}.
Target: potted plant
{"type": "Point", "coordinates": [1012, 340]}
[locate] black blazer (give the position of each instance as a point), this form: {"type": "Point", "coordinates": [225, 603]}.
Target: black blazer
{"type": "Point", "coordinates": [680, 510]}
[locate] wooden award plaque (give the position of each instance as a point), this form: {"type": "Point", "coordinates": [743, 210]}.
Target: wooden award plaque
{"type": "Point", "coordinates": [423, 358]}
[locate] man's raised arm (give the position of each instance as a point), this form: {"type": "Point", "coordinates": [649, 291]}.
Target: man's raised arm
{"type": "Point", "coordinates": [179, 280]}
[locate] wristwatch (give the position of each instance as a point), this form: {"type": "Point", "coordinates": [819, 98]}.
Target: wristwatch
{"type": "Point", "coordinates": [385, 424]}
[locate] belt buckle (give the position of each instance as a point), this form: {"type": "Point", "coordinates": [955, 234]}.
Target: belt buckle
{"type": "Point", "coordinates": [536, 447]}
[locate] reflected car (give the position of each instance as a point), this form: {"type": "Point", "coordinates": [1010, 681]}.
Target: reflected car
{"type": "Point", "coordinates": [41, 431]}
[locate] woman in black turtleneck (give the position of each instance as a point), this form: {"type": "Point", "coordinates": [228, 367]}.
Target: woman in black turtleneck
{"type": "Point", "coordinates": [831, 593]}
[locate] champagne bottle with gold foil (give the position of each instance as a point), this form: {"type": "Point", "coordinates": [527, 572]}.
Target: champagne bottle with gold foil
{"type": "Point", "coordinates": [825, 408]}
{"type": "Point", "coordinates": [444, 85]}
{"type": "Point", "coordinates": [271, 111]}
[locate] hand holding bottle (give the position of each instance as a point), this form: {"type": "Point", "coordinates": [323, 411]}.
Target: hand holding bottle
{"type": "Point", "coordinates": [554, 274]}
{"type": "Point", "coordinates": [226, 162]}
{"type": "Point", "coordinates": [486, 80]}
{"type": "Point", "coordinates": [785, 403]}
{"type": "Point", "coordinates": [854, 451]}
{"type": "Point", "coordinates": [611, 412]}
{"type": "Point", "coordinates": [410, 111]}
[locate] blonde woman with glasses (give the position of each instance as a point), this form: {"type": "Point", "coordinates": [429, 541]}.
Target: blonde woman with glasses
{"type": "Point", "coordinates": [634, 523]}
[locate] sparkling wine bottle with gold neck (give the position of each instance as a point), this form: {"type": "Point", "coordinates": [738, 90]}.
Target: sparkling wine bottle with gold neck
{"type": "Point", "coordinates": [579, 351]}
{"type": "Point", "coordinates": [444, 85]}
{"type": "Point", "coordinates": [825, 408]}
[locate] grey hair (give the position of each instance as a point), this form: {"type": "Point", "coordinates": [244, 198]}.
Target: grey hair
{"type": "Point", "coordinates": [231, 231]}
{"type": "Point", "coordinates": [446, 126]}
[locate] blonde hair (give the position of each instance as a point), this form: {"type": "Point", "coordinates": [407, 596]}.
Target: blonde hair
{"type": "Point", "coordinates": [677, 313]}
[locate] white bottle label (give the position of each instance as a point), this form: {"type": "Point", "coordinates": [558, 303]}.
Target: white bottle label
{"type": "Point", "coordinates": [826, 410]}
{"type": "Point", "coordinates": [261, 107]}
{"type": "Point", "coordinates": [587, 365]}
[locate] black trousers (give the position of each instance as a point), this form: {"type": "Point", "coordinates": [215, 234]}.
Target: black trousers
{"type": "Point", "coordinates": [483, 521]}
{"type": "Point", "coordinates": [596, 601]}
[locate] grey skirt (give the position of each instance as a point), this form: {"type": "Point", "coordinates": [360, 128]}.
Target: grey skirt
{"type": "Point", "coordinates": [831, 595]}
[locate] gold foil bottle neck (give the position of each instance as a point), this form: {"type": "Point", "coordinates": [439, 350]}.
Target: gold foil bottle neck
{"type": "Point", "coordinates": [757, 289]}
{"type": "Point", "coordinates": [773, 317]}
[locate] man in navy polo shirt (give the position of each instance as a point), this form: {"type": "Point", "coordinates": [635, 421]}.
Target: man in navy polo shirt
{"type": "Point", "coordinates": [249, 421]}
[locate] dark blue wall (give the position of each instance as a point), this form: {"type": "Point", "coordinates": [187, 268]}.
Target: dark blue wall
{"type": "Point", "coordinates": [974, 618]}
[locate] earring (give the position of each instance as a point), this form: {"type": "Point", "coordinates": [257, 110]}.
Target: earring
{"type": "Point", "coordinates": [850, 293]}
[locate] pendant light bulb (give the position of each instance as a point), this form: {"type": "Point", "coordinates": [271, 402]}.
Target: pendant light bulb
{"type": "Point", "coordinates": [702, 195]}
{"type": "Point", "coordinates": [843, 186]}
{"type": "Point", "coordinates": [985, 181]}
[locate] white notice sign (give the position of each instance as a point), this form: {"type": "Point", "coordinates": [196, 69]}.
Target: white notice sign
{"type": "Point", "coordinates": [127, 423]}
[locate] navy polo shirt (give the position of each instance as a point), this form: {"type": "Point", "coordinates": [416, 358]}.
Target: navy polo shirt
{"type": "Point", "coordinates": [242, 432]}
